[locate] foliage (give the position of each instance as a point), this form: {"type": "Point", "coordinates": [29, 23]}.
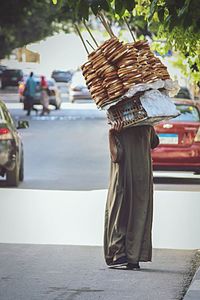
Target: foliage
{"type": "Point", "coordinates": [26, 21]}
{"type": "Point", "coordinates": [175, 22]}
{"type": "Point", "coordinates": [179, 26]}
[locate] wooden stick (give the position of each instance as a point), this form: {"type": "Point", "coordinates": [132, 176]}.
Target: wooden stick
{"type": "Point", "coordinates": [79, 33]}
{"type": "Point", "coordinates": [129, 29]}
{"type": "Point", "coordinates": [90, 44]}
{"type": "Point", "coordinates": [110, 29]}
{"type": "Point", "coordinates": [108, 25]}
{"type": "Point", "coordinates": [90, 33]}
{"type": "Point", "coordinates": [105, 24]}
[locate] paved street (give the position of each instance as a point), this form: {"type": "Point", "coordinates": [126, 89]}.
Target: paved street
{"type": "Point", "coordinates": [41, 272]}
{"type": "Point", "coordinates": [68, 150]}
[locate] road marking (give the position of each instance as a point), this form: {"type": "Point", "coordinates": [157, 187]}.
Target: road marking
{"type": "Point", "coordinates": [64, 105]}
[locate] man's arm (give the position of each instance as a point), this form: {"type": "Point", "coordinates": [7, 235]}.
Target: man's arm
{"type": "Point", "coordinates": [154, 139]}
{"type": "Point", "coordinates": [114, 143]}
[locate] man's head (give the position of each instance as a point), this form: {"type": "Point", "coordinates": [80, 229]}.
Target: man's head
{"type": "Point", "coordinates": [31, 74]}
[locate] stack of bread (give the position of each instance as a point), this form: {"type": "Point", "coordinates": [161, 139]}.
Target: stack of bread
{"type": "Point", "coordinates": [114, 67]}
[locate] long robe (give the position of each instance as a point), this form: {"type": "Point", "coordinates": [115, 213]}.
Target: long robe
{"type": "Point", "coordinates": [129, 207]}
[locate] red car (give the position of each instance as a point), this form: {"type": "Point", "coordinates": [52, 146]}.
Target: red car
{"type": "Point", "coordinates": [179, 147]}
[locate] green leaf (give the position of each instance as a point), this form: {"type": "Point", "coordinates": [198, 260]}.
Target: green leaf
{"type": "Point", "coordinates": [73, 4]}
{"type": "Point", "coordinates": [95, 8]}
{"type": "Point", "coordinates": [83, 9]}
{"type": "Point", "coordinates": [54, 2]}
{"type": "Point", "coordinates": [153, 8]}
{"type": "Point", "coordinates": [184, 9]}
{"type": "Point", "coordinates": [161, 12]}
{"type": "Point", "coordinates": [105, 5]}
{"type": "Point", "coordinates": [69, 2]}
{"type": "Point", "coordinates": [129, 5]}
{"type": "Point", "coordinates": [119, 7]}
{"type": "Point", "coordinates": [173, 21]}
{"type": "Point", "coordinates": [168, 20]}
{"type": "Point", "coordinates": [97, 5]}
{"type": "Point", "coordinates": [187, 22]}
{"type": "Point", "coordinates": [197, 26]}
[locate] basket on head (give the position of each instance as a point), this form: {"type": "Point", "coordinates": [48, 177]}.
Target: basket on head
{"type": "Point", "coordinates": [129, 111]}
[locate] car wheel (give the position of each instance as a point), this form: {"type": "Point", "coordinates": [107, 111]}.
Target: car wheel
{"type": "Point", "coordinates": [21, 170]}
{"type": "Point", "coordinates": [12, 177]}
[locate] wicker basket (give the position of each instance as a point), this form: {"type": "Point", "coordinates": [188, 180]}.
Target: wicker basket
{"type": "Point", "coordinates": [129, 111]}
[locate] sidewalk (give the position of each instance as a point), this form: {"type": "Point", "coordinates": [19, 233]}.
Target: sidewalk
{"type": "Point", "coordinates": [41, 272]}
{"type": "Point", "coordinates": [37, 261]}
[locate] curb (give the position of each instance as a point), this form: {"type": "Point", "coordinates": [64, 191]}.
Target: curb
{"type": "Point", "coordinates": [193, 292]}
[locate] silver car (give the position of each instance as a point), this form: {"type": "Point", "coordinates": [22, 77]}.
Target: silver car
{"type": "Point", "coordinates": [78, 89]}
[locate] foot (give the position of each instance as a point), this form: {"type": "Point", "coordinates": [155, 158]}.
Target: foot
{"type": "Point", "coordinates": [133, 266]}
{"type": "Point", "coordinates": [119, 262]}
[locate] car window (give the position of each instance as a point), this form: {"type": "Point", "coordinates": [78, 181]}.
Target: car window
{"type": "Point", "coordinates": [8, 117]}
{"type": "Point", "coordinates": [60, 74]}
{"type": "Point", "coordinates": [13, 72]}
{"type": "Point", "coordinates": [189, 113]}
{"type": "Point", "coordinates": [2, 67]}
{"type": "Point", "coordinates": [1, 115]}
{"type": "Point", "coordinates": [184, 93]}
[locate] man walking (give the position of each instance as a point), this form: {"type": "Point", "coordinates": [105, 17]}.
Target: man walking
{"type": "Point", "coordinates": [29, 92]}
{"type": "Point", "coordinates": [129, 207]}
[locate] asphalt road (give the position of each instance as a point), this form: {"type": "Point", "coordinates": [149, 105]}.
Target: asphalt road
{"type": "Point", "coordinates": [68, 150]}
{"type": "Point", "coordinates": [66, 154]}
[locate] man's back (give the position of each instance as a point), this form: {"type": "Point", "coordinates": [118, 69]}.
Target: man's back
{"type": "Point", "coordinates": [31, 86]}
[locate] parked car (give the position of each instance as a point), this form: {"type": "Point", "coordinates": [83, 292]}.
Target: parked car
{"type": "Point", "coordinates": [2, 69]}
{"type": "Point", "coordinates": [179, 147]}
{"type": "Point", "coordinates": [54, 93]}
{"type": "Point", "coordinates": [78, 89]}
{"type": "Point", "coordinates": [11, 77]}
{"type": "Point", "coordinates": [11, 148]}
{"type": "Point", "coordinates": [61, 76]}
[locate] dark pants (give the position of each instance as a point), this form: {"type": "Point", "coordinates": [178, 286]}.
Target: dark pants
{"type": "Point", "coordinates": [28, 104]}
